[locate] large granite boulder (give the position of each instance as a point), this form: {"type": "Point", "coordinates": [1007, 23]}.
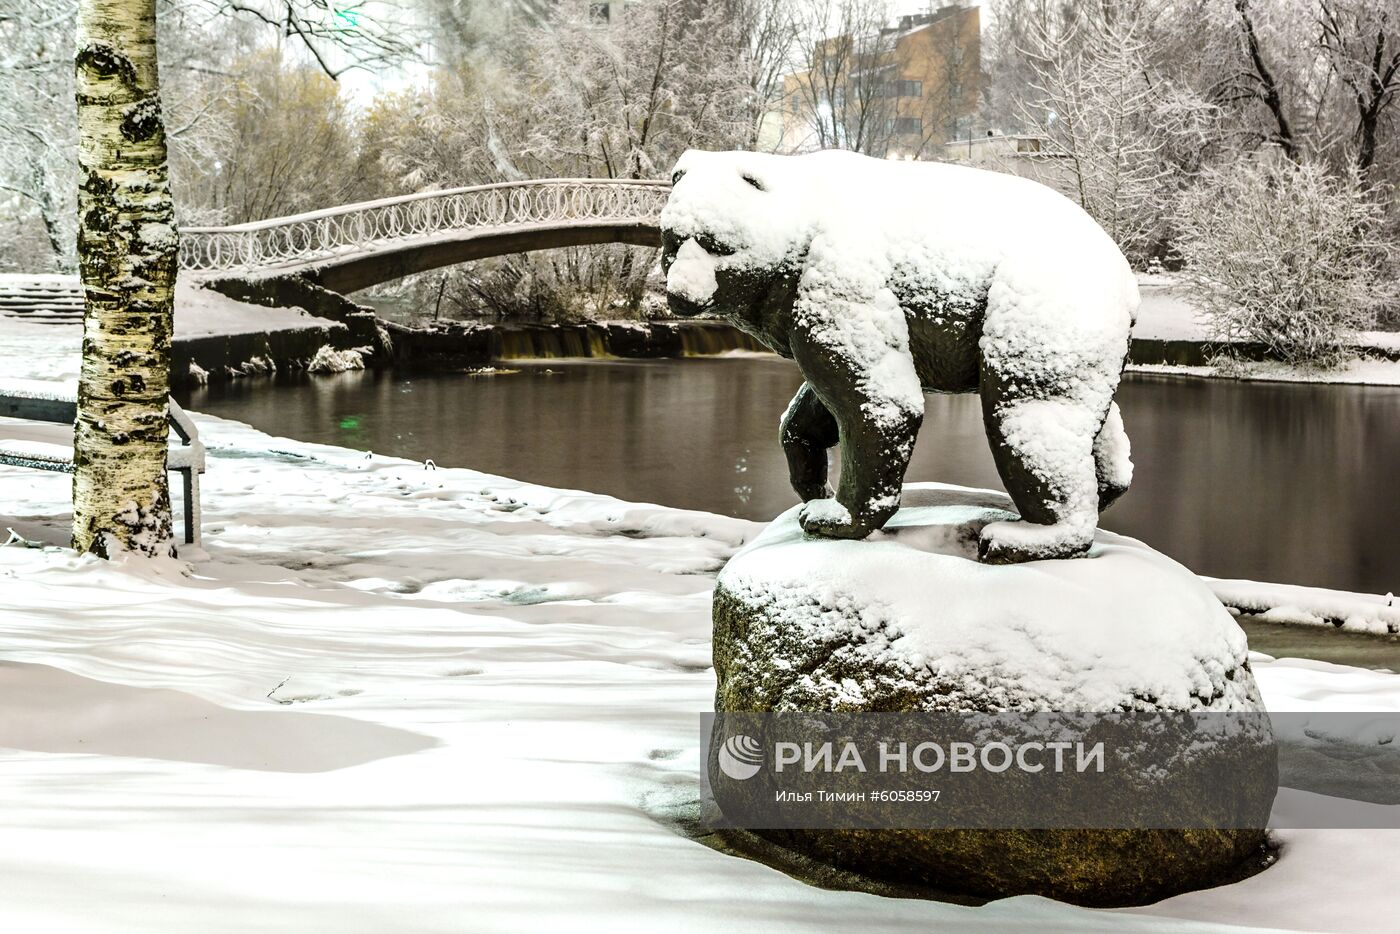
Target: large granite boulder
{"type": "Point", "coordinates": [910, 621]}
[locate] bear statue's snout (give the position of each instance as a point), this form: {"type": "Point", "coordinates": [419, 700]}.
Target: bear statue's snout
{"type": "Point", "coordinates": [691, 282]}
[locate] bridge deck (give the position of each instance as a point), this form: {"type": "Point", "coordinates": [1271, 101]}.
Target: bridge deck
{"type": "Point", "coordinates": [354, 267]}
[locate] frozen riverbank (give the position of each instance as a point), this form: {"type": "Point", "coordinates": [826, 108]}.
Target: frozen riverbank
{"type": "Point", "coordinates": [214, 334]}
{"type": "Point", "coordinates": [1171, 338]}
{"type": "Point", "coordinates": [199, 312]}
{"type": "Point", "coordinates": [510, 678]}
{"type": "Point", "coordinates": [222, 337]}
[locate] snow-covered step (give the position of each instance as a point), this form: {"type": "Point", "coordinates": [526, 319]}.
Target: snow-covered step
{"type": "Point", "coordinates": [34, 296]}
{"type": "Point", "coordinates": [45, 314]}
{"type": "Point", "coordinates": [44, 299]}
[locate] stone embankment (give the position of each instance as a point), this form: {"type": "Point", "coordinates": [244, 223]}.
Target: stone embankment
{"type": "Point", "coordinates": [346, 327]}
{"type": "Point", "coordinates": [234, 327]}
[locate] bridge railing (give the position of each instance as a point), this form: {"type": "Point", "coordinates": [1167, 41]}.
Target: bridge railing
{"type": "Point", "coordinates": [350, 228]}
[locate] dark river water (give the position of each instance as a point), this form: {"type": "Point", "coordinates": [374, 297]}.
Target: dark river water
{"type": "Point", "coordinates": [1269, 481]}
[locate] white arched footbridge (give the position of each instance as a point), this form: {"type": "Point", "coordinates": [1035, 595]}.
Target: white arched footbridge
{"type": "Point", "coordinates": [359, 245]}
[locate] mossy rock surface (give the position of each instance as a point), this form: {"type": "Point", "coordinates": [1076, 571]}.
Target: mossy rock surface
{"type": "Point", "coordinates": [910, 621]}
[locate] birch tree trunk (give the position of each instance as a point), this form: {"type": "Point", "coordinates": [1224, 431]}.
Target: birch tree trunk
{"type": "Point", "coordinates": [127, 258]}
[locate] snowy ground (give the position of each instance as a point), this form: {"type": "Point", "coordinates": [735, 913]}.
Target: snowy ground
{"type": "Point", "coordinates": [204, 312]}
{"type": "Point", "coordinates": [198, 312]}
{"type": "Point", "coordinates": [391, 697]}
{"type": "Point", "coordinates": [1310, 606]}
{"type": "Point", "coordinates": [39, 351]}
{"type": "Point", "coordinates": [1167, 313]}
{"type": "Point", "coordinates": [439, 700]}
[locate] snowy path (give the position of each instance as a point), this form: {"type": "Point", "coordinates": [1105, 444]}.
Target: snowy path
{"type": "Point", "coordinates": [434, 700]}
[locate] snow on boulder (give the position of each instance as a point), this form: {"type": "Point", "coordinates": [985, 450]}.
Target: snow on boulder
{"type": "Point", "coordinates": [910, 621]}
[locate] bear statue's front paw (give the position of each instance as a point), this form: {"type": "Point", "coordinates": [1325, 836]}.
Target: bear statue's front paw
{"type": "Point", "coordinates": [1018, 541]}
{"type": "Point", "coordinates": [829, 519]}
{"type": "Point", "coordinates": [811, 491]}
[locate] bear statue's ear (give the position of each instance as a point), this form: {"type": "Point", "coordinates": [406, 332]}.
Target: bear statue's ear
{"type": "Point", "coordinates": [753, 180]}
{"type": "Point", "coordinates": [677, 175]}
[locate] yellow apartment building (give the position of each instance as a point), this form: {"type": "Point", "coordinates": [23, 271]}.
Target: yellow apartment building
{"type": "Point", "coordinates": [899, 93]}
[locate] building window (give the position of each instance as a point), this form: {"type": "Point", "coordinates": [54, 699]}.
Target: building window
{"type": "Point", "coordinates": [908, 88]}
{"type": "Point", "coordinates": [909, 126]}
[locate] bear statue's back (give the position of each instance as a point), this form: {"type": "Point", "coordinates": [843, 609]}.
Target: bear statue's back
{"type": "Point", "coordinates": [949, 232]}
{"type": "Point", "coordinates": [946, 200]}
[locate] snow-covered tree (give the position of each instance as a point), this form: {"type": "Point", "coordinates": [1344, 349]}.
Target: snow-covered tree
{"type": "Point", "coordinates": [1010, 29]}
{"type": "Point", "coordinates": [568, 96]}
{"type": "Point", "coordinates": [766, 33]}
{"type": "Point", "coordinates": [37, 138]}
{"type": "Point", "coordinates": [338, 35]}
{"type": "Point", "coordinates": [285, 143]}
{"type": "Point", "coordinates": [127, 248]}
{"type": "Point", "coordinates": [1262, 75]}
{"type": "Point", "coordinates": [1104, 107]}
{"type": "Point", "coordinates": [1361, 46]}
{"type": "Point", "coordinates": [202, 42]}
{"type": "Point", "coordinates": [1317, 78]}
{"type": "Point", "coordinates": [572, 95]}
{"type": "Point", "coordinates": [626, 98]}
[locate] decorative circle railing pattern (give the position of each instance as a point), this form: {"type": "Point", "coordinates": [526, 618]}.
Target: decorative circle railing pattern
{"type": "Point", "coordinates": [356, 228]}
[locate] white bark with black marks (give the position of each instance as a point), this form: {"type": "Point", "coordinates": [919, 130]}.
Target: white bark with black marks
{"type": "Point", "coordinates": [127, 257]}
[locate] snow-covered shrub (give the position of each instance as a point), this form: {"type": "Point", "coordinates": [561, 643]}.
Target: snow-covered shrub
{"type": "Point", "coordinates": [556, 286]}
{"type": "Point", "coordinates": [255, 366]}
{"type": "Point", "coordinates": [1285, 255]}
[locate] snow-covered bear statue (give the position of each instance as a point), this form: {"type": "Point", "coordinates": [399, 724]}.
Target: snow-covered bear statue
{"type": "Point", "coordinates": [884, 280]}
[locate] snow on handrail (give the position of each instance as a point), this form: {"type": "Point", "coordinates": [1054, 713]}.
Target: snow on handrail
{"type": "Point", "coordinates": [332, 231]}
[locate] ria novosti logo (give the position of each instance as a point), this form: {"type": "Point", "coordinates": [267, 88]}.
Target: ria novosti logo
{"type": "Point", "coordinates": [740, 757]}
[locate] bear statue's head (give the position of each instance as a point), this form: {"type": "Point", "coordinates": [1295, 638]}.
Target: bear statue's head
{"type": "Point", "coordinates": [735, 222]}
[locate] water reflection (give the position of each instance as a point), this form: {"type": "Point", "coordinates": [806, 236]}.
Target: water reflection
{"type": "Point", "coordinates": [1268, 481]}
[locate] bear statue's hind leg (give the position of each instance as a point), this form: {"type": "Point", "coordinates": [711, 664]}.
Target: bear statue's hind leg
{"type": "Point", "coordinates": [1044, 451]}
{"type": "Point", "coordinates": [808, 432]}
{"type": "Point", "coordinates": [1112, 458]}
